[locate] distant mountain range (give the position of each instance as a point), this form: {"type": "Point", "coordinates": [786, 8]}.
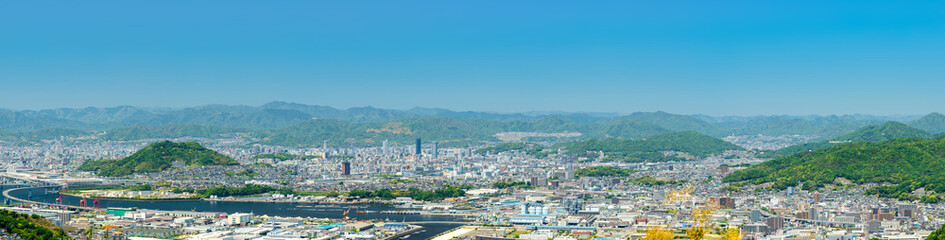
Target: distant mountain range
{"type": "Point", "coordinates": [873, 133]}
{"type": "Point", "coordinates": [651, 147]}
{"type": "Point", "coordinates": [300, 124]}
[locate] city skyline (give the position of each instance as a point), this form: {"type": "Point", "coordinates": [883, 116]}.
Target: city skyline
{"type": "Point", "coordinates": [718, 59]}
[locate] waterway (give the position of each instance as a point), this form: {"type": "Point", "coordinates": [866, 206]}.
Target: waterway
{"type": "Point", "coordinates": [267, 208]}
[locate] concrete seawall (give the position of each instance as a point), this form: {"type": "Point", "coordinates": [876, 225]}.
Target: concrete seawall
{"type": "Point", "coordinates": [405, 233]}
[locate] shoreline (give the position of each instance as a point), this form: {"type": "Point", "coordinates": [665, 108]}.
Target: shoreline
{"type": "Point", "coordinates": [132, 199]}
{"type": "Point", "coordinates": [405, 233]}
{"type": "Point", "coordinates": [410, 234]}
{"type": "Point", "coordinates": [226, 200]}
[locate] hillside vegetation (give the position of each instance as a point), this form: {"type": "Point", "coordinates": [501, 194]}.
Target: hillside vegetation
{"type": "Point", "coordinates": [932, 123]}
{"type": "Point", "coordinates": [603, 171]}
{"type": "Point", "coordinates": [158, 157]}
{"type": "Point", "coordinates": [650, 147]}
{"type": "Point", "coordinates": [874, 133]}
{"type": "Point", "coordinates": [907, 163]}
{"type": "Point", "coordinates": [29, 227]}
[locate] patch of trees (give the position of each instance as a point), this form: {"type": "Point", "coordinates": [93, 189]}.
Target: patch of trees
{"type": "Point", "coordinates": [603, 171]}
{"type": "Point", "coordinates": [436, 195]}
{"type": "Point", "coordinates": [29, 226]}
{"type": "Point", "coordinates": [512, 184]}
{"type": "Point", "coordinates": [650, 148]}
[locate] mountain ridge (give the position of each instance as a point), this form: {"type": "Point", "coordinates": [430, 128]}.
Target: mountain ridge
{"type": "Point", "coordinates": [873, 133]}
{"type": "Point", "coordinates": [157, 157]}
{"type": "Point", "coordinates": [272, 117]}
{"type": "Point", "coordinates": [908, 163]}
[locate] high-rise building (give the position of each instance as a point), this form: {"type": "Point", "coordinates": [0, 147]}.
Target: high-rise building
{"type": "Point", "coordinates": [384, 146]}
{"type": "Point", "coordinates": [775, 223]}
{"type": "Point", "coordinates": [418, 147]}
{"type": "Point", "coordinates": [435, 155]}
{"type": "Point", "coordinates": [345, 168]}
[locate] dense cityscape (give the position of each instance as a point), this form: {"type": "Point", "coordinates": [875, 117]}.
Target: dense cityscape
{"type": "Point", "coordinates": [493, 191]}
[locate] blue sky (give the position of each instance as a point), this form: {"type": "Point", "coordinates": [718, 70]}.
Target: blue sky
{"type": "Point", "coordinates": [711, 57]}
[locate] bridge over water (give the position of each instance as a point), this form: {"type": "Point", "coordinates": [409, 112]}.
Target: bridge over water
{"type": "Point", "coordinates": [6, 194]}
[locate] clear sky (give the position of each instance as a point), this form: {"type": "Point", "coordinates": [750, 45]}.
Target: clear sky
{"type": "Point", "coordinates": [711, 57]}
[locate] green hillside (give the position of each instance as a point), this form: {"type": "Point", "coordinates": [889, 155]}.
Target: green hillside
{"type": "Point", "coordinates": [797, 148]}
{"type": "Point", "coordinates": [158, 157]}
{"type": "Point", "coordinates": [910, 163]}
{"type": "Point", "coordinates": [603, 171]}
{"type": "Point", "coordinates": [874, 133]}
{"type": "Point", "coordinates": [886, 131]}
{"type": "Point", "coordinates": [623, 128]}
{"type": "Point", "coordinates": [932, 123]}
{"type": "Point", "coordinates": [824, 127]}
{"type": "Point", "coordinates": [30, 227]}
{"type": "Point", "coordinates": [649, 148]}
{"type": "Point", "coordinates": [674, 122]}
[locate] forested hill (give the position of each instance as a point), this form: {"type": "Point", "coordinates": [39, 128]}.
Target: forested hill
{"type": "Point", "coordinates": [911, 163]}
{"type": "Point", "coordinates": [933, 123]}
{"type": "Point", "coordinates": [158, 157]}
{"type": "Point", "coordinates": [649, 148]}
{"type": "Point", "coordinates": [886, 131]}
{"type": "Point", "coordinates": [874, 133]}
{"type": "Point", "coordinates": [30, 227]}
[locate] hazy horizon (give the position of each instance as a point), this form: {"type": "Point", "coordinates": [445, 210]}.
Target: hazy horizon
{"type": "Point", "coordinates": [718, 58]}
{"type": "Point", "coordinates": [542, 112]}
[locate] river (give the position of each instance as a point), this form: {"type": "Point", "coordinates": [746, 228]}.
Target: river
{"type": "Point", "coordinates": [268, 208]}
